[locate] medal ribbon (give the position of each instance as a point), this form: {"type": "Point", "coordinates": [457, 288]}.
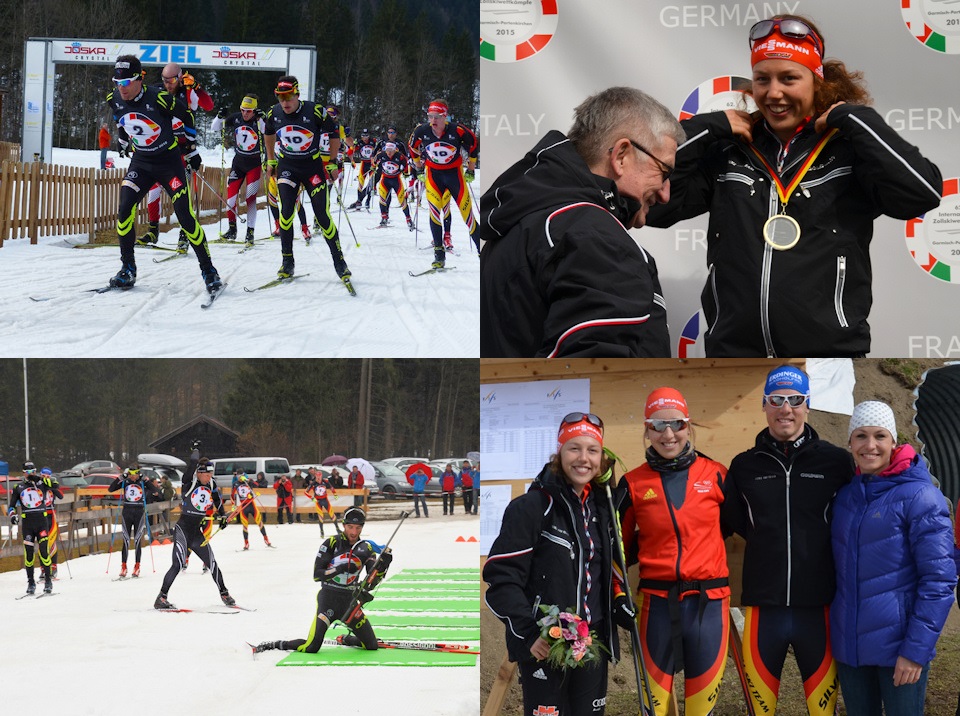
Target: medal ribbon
{"type": "Point", "coordinates": [786, 191]}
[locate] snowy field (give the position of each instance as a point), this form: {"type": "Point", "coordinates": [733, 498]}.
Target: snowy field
{"type": "Point", "coordinates": [99, 648]}
{"type": "Point", "coordinates": [49, 309]}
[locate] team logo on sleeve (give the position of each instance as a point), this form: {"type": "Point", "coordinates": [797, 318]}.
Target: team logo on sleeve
{"type": "Point", "coordinates": [142, 130]}
{"type": "Point", "coordinates": [295, 139]}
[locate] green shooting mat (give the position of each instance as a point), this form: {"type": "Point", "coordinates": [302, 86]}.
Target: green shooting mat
{"type": "Point", "coordinates": [431, 620]}
{"type": "Point", "coordinates": [350, 656]}
{"type": "Point", "coordinates": [428, 604]}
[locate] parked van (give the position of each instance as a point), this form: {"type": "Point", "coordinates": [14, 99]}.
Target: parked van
{"type": "Point", "coordinates": [272, 467]}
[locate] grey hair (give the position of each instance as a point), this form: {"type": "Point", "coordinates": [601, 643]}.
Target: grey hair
{"type": "Point", "coordinates": [619, 112]}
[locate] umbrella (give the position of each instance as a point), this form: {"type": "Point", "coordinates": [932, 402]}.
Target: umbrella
{"type": "Point", "coordinates": [365, 468]}
{"type": "Point", "coordinates": [334, 460]}
{"type": "Point", "coordinates": [419, 466]}
{"type": "Point", "coordinates": [473, 457]}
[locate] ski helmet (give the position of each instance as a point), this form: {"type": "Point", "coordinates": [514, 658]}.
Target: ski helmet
{"type": "Point", "coordinates": [46, 472]}
{"type": "Point", "coordinates": [354, 516]}
{"type": "Point", "coordinates": [29, 468]}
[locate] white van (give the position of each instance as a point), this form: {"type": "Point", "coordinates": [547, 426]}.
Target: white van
{"type": "Point", "coordinates": [272, 467]}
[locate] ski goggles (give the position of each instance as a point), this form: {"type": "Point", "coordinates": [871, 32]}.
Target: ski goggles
{"type": "Point", "coordinates": [571, 418]}
{"type": "Point", "coordinates": [125, 81]}
{"type": "Point", "coordinates": [676, 425]}
{"type": "Point", "coordinates": [794, 401]}
{"type": "Point", "coordinates": [788, 27]}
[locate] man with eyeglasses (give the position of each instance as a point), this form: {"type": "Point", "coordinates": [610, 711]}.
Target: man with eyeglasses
{"type": "Point", "coordinates": [778, 497]}
{"type": "Point", "coordinates": [560, 274]}
{"type": "Point", "coordinates": [437, 149]}
{"type": "Point", "coordinates": [184, 87]}
{"type": "Point", "coordinates": [145, 117]}
{"type": "Point", "coordinates": [293, 131]}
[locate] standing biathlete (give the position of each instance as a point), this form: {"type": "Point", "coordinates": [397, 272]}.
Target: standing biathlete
{"type": "Point", "coordinates": [779, 497]}
{"type": "Point", "coordinates": [246, 126]}
{"type": "Point", "coordinates": [30, 497]}
{"type": "Point", "coordinates": [319, 490]}
{"type": "Point", "coordinates": [439, 146]}
{"type": "Point", "coordinates": [53, 528]}
{"type": "Point", "coordinates": [144, 116]}
{"type": "Point", "coordinates": [337, 567]}
{"type": "Point", "coordinates": [670, 520]}
{"type": "Point", "coordinates": [136, 493]}
{"type": "Point", "coordinates": [293, 128]}
{"type": "Point", "coordinates": [202, 504]}
{"type": "Point", "coordinates": [245, 500]}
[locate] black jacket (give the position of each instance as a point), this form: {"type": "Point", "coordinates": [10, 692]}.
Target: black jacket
{"type": "Point", "coordinates": [559, 273]}
{"type": "Point", "coordinates": [538, 558]}
{"type": "Point", "coordinates": [813, 299]}
{"type": "Point", "coordinates": [778, 497]}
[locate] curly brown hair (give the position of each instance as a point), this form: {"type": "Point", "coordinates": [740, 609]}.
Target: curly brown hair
{"type": "Point", "coordinates": [838, 83]}
{"type": "Point", "coordinates": [606, 463]}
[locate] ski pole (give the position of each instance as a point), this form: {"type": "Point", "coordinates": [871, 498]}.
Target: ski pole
{"type": "Point", "coordinates": [222, 201]}
{"type": "Point", "coordinates": [639, 665]}
{"type": "Point", "coordinates": [354, 600]}
{"type": "Point", "coordinates": [347, 214]}
{"type": "Point", "coordinates": [57, 543]}
{"type": "Point", "coordinates": [419, 646]}
{"type": "Point", "coordinates": [736, 651]}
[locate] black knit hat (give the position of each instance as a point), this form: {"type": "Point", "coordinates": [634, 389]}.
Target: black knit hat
{"type": "Point", "coordinates": [127, 66]}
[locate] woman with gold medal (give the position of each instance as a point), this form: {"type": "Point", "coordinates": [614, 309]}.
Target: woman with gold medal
{"type": "Point", "coordinates": [793, 190]}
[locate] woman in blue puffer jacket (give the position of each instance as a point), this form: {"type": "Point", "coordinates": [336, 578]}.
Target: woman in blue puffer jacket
{"type": "Point", "coordinates": [893, 550]}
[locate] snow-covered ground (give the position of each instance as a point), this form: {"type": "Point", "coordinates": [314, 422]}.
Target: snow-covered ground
{"type": "Point", "coordinates": [98, 647]}
{"type": "Point", "coordinates": [48, 309]}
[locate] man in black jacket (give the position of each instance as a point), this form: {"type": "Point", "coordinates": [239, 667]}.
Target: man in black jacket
{"type": "Point", "coordinates": [560, 273]}
{"type": "Point", "coordinates": [777, 497]}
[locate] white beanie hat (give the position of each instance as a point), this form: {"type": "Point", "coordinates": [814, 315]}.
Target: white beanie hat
{"type": "Point", "coordinates": [873, 413]}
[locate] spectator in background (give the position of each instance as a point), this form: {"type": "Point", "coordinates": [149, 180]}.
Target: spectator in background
{"type": "Point", "coordinates": [261, 480]}
{"type": "Point", "coordinates": [355, 482]}
{"type": "Point", "coordinates": [166, 489]}
{"type": "Point", "coordinates": [894, 567]}
{"type": "Point", "coordinates": [335, 479]}
{"type": "Point", "coordinates": [285, 494]}
{"type": "Point", "coordinates": [475, 474]}
{"type": "Point", "coordinates": [299, 483]}
{"type": "Point", "coordinates": [419, 480]}
{"type": "Point", "coordinates": [103, 139]}
{"type": "Point", "coordinates": [448, 483]}
{"type": "Point", "coordinates": [466, 482]}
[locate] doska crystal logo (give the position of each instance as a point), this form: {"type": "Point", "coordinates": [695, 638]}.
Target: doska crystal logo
{"type": "Point", "coordinates": [76, 48]}
{"type": "Point", "coordinates": [225, 53]}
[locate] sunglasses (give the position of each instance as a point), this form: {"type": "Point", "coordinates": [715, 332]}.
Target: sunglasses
{"type": "Point", "coordinates": [777, 401]}
{"type": "Point", "coordinates": [125, 82]}
{"type": "Point", "coordinates": [284, 96]}
{"type": "Point", "coordinates": [795, 29]}
{"type": "Point", "coordinates": [571, 418]}
{"type": "Point", "coordinates": [434, 115]}
{"type": "Point", "coordinates": [658, 426]}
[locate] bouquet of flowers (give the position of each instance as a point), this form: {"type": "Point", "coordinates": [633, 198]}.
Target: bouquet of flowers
{"type": "Point", "coordinates": [572, 644]}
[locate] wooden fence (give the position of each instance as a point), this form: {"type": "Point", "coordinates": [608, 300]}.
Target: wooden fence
{"type": "Point", "coordinates": [9, 152]}
{"type": "Point", "coordinates": [39, 199]}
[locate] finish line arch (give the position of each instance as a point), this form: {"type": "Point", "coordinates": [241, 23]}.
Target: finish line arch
{"type": "Point", "coordinates": [40, 54]}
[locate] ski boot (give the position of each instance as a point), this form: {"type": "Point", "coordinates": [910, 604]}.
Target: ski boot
{"type": "Point", "coordinates": [136, 569]}
{"type": "Point", "coordinates": [246, 545]}
{"type": "Point", "coordinates": [276, 229]}
{"type": "Point", "coordinates": [383, 220]}
{"type": "Point", "coordinates": [266, 541]}
{"type": "Point", "coordinates": [349, 640]}
{"type": "Point", "coordinates": [53, 572]}
{"type": "Point", "coordinates": [150, 236]}
{"type": "Point", "coordinates": [47, 584]}
{"type": "Point", "coordinates": [212, 279]}
{"type": "Point", "coordinates": [249, 240]}
{"type": "Point", "coordinates": [439, 257]}
{"type": "Point", "coordinates": [230, 234]}
{"type": "Point", "coordinates": [286, 268]}
{"type": "Point", "coordinates": [162, 602]}
{"type": "Point", "coordinates": [182, 242]}
{"type": "Point", "coordinates": [306, 233]}
{"type": "Point", "coordinates": [123, 571]}
{"type": "Point", "coordinates": [227, 599]}
{"type": "Point", "coordinates": [410, 223]}
{"type": "Point", "coordinates": [186, 563]}
{"type": "Point", "coordinates": [126, 276]}
{"type": "Point", "coordinates": [355, 205]}
{"type": "Point", "coordinates": [31, 587]}
{"type": "Point", "coordinates": [447, 241]}
{"type": "Point", "coordinates": [316, 226]}
{"type": "Point", "coordinates": [266, 646]}
{"type": "Point", "coordinates": [340, 265]}
{"type": "Point", "coordinates": [205, 569]}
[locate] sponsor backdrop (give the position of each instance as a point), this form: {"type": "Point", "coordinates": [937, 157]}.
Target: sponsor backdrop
{"type": "Point", "coordinates": [540, 58]}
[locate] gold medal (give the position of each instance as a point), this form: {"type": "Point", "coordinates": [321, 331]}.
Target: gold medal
{"type": "Point", "coordinates": [782, 232]}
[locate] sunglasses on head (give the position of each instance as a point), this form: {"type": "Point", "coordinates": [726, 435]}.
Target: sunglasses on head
{"type": "Point", "coordinates": [676, 425]}
{"type": "Point", "coordinates": [794, 29]}
{"type": "Point", "coordinates": [571, 418]}
{"type": "Point", "coordinates": [125, 82]}
{"type": "Point", "coordinates": [777, 401]}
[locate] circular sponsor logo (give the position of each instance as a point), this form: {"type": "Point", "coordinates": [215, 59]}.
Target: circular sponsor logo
{"type": "Point", "coordinates": [718, 94]}
{"type": "Point", "coordinates": [690, 344]}
{"type": "Point", "coordinates": [935, 23]}
{"type": "Point", "coordinates": [513, 30]}
{"type": "Point", "coordinates": [933, 239]}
